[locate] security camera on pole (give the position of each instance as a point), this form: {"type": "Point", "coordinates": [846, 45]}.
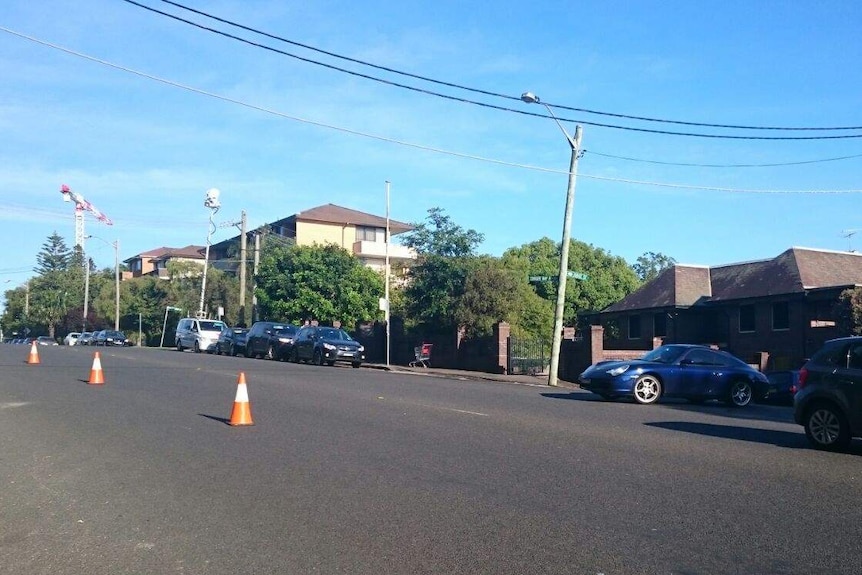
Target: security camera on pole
{"type": "Point", "coordinates": [212, 202]}
{"type": "Point", "coordinates": [575, 144]}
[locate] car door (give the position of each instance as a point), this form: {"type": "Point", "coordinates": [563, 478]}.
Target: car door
{"type": "Point", "coordinates": [850, 382]}
{"type": "Point", "coordinates": [304, 343]}
{"type": "Point", "coordinates": [698, 374]}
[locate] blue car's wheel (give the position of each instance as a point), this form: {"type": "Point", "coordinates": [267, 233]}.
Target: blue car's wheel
{"type": "Point", "coordinates": [741, 394]}
{"type": "Point", "coordinates": [647, 389]}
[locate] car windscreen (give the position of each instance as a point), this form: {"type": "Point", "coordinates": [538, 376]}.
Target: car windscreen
{"type": "Point", "coordinates": [284, 330]}
{"type": "Point", "coordinates": [336, 334]}
{"type": "Point", "coordinates": [665, 354]}
{"type": "Point", "coordinates": [212, 326]}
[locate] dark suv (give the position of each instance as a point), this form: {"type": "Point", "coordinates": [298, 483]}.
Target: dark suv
{"type": "Point", "coordinates": [829, 400]}
{"type": "Point", "coordinates": [319, 345]}
{"type": "Point", "coordinates": [269, 339]}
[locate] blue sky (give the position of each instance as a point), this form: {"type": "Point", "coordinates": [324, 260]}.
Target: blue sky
{"type": "Point", "coordinates": [144, 152]}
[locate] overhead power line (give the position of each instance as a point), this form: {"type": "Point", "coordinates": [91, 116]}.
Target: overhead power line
{"type": "Point", "coordinates": [467, 88]}
{"type": "Point", "coordinates": [491, 106]}
{"type": "Point", "coordinates": [402, 142]}
{"type": "Point", "coordinates": [696, 165]}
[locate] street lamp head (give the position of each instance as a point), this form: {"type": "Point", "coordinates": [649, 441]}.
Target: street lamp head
{"type": "Point", "coordinates": [530, 98]}
{"type": "Point", "coordinates": [212, 200]}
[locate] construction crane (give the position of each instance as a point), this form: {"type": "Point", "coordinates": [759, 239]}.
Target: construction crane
{"type": "Point", "coordinates": [82, 205]}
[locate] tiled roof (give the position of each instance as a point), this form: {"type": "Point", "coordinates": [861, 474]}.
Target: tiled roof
{"type": "Point", "coordinates": [330, 213]}
{"type": "Point", "coordinates": [190, 251]}
{"type": "Point", "coordinates": [677, 286]}
{"type": "Point", "coordinates": [793, 271]}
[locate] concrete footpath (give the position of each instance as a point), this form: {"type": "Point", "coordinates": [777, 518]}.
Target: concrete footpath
{"type": "Point", "coordinates": [539, 380]}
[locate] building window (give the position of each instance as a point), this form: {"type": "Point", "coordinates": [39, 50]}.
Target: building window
{"type": "Point", "coordinates": [659, 325]}
{"type": "Point", "coordinates": [365, 234]}
{"type": "Point", "coordinates": [780, 315]}
{"type": "Point", "coordinates": [746, 318]}
{"type": "Point", "coordinates": [634, 327]}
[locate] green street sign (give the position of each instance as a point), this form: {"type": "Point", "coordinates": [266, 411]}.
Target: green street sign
{"type": "Point", "coordinates": [577, 275]}
{"type": "Point", "coordinates": [534, 279]}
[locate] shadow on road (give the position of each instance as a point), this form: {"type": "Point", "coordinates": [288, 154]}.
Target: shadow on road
{"type": "Point", "coordinates": [752, 412]}
{"type": "Point", "coordinates": [224, 420]}
{"type": "Point", "coordinates": [779, 438]}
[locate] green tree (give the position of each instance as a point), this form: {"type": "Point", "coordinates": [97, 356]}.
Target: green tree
{"type": "Point", "coordinates": [850, 311]}
{"type": "Point", "coordinates": [442, 237]}
{"type": "Point", "coordinates": [650, 264]}
{"type": "Point", "coordinates": [492, 294]}
{"type": "Point", "coordinates": [54, 255]}
{"type": "Point", "coordinates": [609, 278]}
{"type": "Point", "coordinates": [437, 280]}
{"type": "Point", "coordinates": [324, 283]}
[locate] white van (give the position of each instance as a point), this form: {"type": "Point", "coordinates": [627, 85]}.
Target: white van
{"type": "Point", "coordinates": [198, 334]}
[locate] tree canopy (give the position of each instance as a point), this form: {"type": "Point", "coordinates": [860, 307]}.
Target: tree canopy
{"type": "Point", "coordinates": [323, 283]}
{"type": "Point", "coordinates": [650, 264]}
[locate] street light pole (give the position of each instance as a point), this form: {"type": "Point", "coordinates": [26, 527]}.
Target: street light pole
{"type": "Point", "coordinates": [117, 285]}
{"type": "Point", "coordinates": [388, 317]}
{"type": "Point", "coordinates": [575, 145]}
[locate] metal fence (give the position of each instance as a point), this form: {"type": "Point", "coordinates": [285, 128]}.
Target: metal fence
{"type": "Point", "coordinates": [527, 356]}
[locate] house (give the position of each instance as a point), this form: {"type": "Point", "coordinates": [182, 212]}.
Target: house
{"type": "Point", "coordinates": [155, 262]}
{"type": "Point", "coordinates": [774, 313]}
{"type": "Point", "coordinates": [362, 234]}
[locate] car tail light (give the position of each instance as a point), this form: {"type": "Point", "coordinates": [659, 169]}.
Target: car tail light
{"type": "Point", "coordinates": [803, 376]}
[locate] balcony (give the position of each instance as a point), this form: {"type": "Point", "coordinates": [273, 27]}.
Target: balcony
{"type": "Point", "coordinates": [369, 251]}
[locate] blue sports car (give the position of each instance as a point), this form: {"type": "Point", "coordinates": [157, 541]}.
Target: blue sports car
{"type": "Point", "coordinates": [693, 372]}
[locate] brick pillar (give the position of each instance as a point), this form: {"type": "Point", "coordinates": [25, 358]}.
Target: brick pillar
{"type": "Point", "coordinates": [657, 342]}
{"type": "Point", "coordinates": [597, 344]}
{"type": "Point", "coordinates": [501, 337]}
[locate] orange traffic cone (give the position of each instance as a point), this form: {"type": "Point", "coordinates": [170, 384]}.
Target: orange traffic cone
{"type": "Point", "coordinates": [241, 413]}
{"type": "Point", "coordinates": [34, 354]}
{"type": "Point", "coordinates": [96, 376]}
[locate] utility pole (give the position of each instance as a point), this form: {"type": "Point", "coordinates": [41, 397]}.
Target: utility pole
{"type": "Point", "coordinates": [242, 264]}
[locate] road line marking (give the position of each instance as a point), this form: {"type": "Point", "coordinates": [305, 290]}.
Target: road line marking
{"type": "Point", "coordinates": [465, 411]}
{"type": "Point", "coordinates": [13, 404]}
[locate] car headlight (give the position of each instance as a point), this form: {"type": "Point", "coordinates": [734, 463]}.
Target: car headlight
{"type": "Point", "coordinates": [360, 348]}
{"type": "Point", "coordinates": [329, 346]}
{"type": "Point", "coordinates": [618, 370]}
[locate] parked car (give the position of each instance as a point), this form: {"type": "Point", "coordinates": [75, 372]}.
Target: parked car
{"type": "Point", "coordinates": [231, 341]}
{"type": "Point", "coordinates": [86, 338]}
{"type": "Point", "coordinates": [270, 340]}
{"type": "Point", "coordinates": [71, 338]}
{"type": "Point", "coordinates": [46, 340]}
{"type": "Point", "coordinates": [829, 401]}
{"type": "Point", "coordinates": [109, 337]}
{"type": "Point", "coordinates": [198, 334]}
{"type": "Point", "coordinates": [782, 386]}
{"type": "Point", "coordinates": [319, 344]}
{"type": "Point", "coordinates": [693, 372]}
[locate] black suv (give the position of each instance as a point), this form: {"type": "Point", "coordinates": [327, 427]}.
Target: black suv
{"type": "Point", "coordinates": [269, 339]}
{"type": "Point", "coordinates": [319, 345]}
{"type": "Point", "coordinates": [829, 400]}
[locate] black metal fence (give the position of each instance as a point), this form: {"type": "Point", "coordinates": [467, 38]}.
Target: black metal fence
{"type": "Point", "coordinates": [527, 356]}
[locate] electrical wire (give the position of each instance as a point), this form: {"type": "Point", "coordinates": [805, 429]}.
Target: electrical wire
{"type": "Point", "coordinates": [695, 165]}
{"type": "Point", "coordinates": [402, 142]}
{"type": "Point", "coordinates": [478, 90]}
{"type": "Point", "coordinates": [484, 104]}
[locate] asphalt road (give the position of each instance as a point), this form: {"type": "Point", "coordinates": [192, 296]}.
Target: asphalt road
{"type": "Point", "coordinates": [364, 471]}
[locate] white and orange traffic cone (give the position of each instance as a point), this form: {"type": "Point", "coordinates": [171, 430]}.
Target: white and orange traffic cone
{"type": "Point", "coordinates": [241, 413]}
{"type": "Point", "coordinates": [96, 375]}
{"type": "Point", "coordinates": [34, 354]}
